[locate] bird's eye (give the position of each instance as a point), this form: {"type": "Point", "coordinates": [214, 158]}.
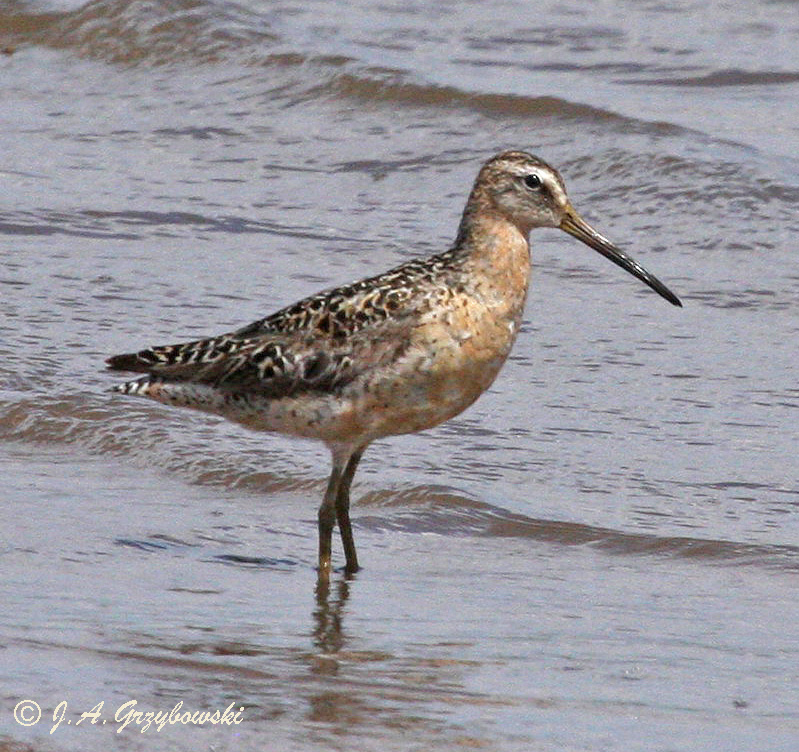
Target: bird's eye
{"type": "Point", "coordinates": [532, 180]}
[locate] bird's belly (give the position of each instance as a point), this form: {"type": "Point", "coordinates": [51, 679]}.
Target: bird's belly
{"type": "Point", "coordinates": [446, 369]}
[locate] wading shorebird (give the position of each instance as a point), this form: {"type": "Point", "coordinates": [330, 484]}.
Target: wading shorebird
{"type": "Point", "coordinates": [392, 354]}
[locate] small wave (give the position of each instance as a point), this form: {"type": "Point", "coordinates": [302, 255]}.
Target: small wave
{"type": "Point", "coordinates": [255, 562]}
{"type": "Point", "coordinates": [716, 79]}
{"type": "Point", "coordinates": [437, 510]}
{"type": "Point", "coordinates": [144, 434]}
{"type": "Point", "coordinates": [133, 31]}
{"type": "Point", "coordinates": [133, 225]}
{"type": "Point", "coordinates": [692, 186]}
{"type": "Point", "coordinates": [46, 222]}
{"type": "Point", "coordinates": [160, 544]}
{"type": "Point", "coordinates": [142, 32]}
{"type": "Point", "coordinates": [389, 86]}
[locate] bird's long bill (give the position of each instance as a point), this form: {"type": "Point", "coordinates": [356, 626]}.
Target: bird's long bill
{"type": "Point", "coordinates": [580, 229]}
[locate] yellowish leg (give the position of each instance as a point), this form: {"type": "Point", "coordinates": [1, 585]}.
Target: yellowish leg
{"type": "Point", "coordinates": [343, 512]}
{"type": "Point", "coordinates": [327, 518]}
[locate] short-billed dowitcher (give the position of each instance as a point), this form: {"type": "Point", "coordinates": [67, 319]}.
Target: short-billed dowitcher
{"type": "Point", "coordinates": [392, 354]}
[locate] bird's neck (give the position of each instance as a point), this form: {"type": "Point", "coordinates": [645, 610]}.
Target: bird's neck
{"type": "Point", "coordinates": [494, 254]}
{"type": "Point", "coordinates": [488, 241]}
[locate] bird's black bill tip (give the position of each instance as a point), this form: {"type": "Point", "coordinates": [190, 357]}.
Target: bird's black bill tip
{"type": "Point", "coordinates": [577, 227]}
{"type": "Point", "coordinates": [673, 299]}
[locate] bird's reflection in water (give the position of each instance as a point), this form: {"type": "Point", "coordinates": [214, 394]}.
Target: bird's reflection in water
{"type": "Point", "coordinates": [328, 633]}
{"type": "Point", "coordinates": [334, 702]}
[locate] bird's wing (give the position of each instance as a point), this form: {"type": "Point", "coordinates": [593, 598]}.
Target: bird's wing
{"type": "Point", "coordinates": [276, 363]}
{"type": "Point", "coordinates": [319, 343]}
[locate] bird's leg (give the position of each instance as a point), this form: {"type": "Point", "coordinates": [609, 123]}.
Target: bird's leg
{"type": "Point", "coordinates": [343, 511]}
{"type": "Point", "coordinates": [327, 517]}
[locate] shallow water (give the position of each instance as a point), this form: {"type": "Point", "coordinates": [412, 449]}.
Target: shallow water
{"type": "Point", "coordinates": [602, 553]}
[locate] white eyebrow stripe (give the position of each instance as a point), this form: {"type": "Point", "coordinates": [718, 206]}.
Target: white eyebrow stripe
{"type": "Point", "coordinates": [557, 191]}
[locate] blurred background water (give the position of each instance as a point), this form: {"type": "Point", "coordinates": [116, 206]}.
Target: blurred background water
{"type": "Point", "coordinates": [602, 553]}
